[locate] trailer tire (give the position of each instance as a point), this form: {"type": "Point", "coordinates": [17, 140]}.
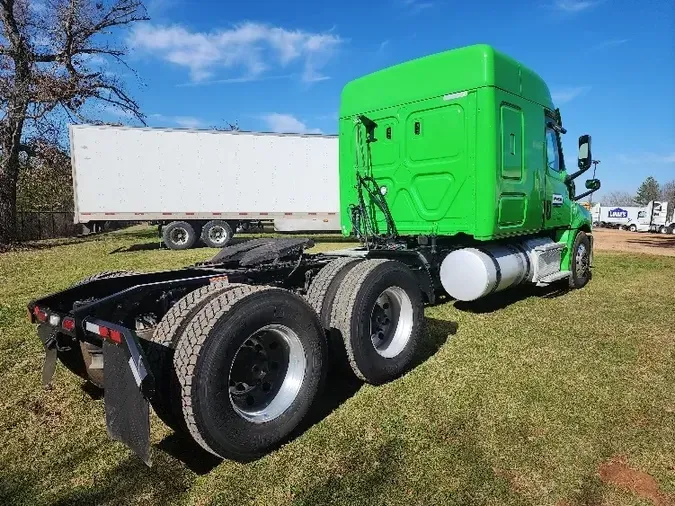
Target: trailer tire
{"type": "Point", "coordinates": [632, 228]}
{"type": "Point", "coordinates": [81, 359]}
{"type": "Point", "coordinates": [237, 410]}
{"type": "Point", "coordinates": [381, 295]}
{"type": "Point", "coordinates": [580, 263]}
{"type": "Point", "coordinates": [217, 233]}
{"type": "Point", "coordinates": [179, 235]}
{"type": "Point", "coordinates": [160, 352]}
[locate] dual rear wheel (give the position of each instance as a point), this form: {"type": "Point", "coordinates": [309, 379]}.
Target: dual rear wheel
{"type": "Point", "coordinates": [238, 367]}
{"type": "Point", "coordinates": [245, 365]}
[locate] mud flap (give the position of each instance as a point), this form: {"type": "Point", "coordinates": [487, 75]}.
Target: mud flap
{"type": "Point", "coordinates": [46, 335]}
{"type": "Point", "coordinates": [127, 410]}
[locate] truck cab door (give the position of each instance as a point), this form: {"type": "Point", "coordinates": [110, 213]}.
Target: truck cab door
{"type": "Point", "coordinates": [557, 203]}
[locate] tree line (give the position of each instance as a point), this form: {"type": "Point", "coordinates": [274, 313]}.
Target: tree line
{"type": "Point", "coordinates": [649, 190]}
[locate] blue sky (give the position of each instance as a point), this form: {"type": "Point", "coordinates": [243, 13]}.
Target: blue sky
{"type": "Point", "coordinates": [275, 65]}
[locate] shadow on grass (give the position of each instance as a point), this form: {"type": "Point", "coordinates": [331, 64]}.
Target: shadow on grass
{"type": "Point", "coordinates": [144, 246]}
{"type": "Point", "coordinates": [500, 300]}
{"type": "Point", "coordinates": [375, 474]}
{"type": "Point", "coordinates": [131, 479]}
{"type": "Point", "coordinates": [661, 242]}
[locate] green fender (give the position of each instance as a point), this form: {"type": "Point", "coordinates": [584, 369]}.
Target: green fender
{"type": "Point", "coordinates": [580, 221]}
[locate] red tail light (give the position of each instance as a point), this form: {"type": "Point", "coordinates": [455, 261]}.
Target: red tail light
{"type": "Point", "coordinates": [68, 324]}
{"type": "Point", "coordinates": [115, 336]}
{"type": "Point", "coordinates": [103, 331]}
{"type": "Point", "coordinates": [40, 314]}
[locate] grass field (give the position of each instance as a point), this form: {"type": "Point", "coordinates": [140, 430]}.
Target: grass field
{"type": "Point", "coordinates": [531, 398]}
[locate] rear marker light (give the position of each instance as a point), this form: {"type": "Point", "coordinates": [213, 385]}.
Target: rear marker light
{"type": "Point", "coordinates": [115, 336]}
{"type": "Point", "coordinates": [68, 324]}
{"type": "Point", "coordinates": [40, 315]}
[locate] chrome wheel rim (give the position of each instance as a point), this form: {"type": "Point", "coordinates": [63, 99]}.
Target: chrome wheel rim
{"type": "Point", "coordinates": [179, 235]}
{"type": "Point", "coordinates": [391, 322]}
{"type": "Point", "coordinates": [581, 261]}
{"type": "Point", "coordinates": [218, 235]}
{"type": "Point", "coordinates": [267, 373]}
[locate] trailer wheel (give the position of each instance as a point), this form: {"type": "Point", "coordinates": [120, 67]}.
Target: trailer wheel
{"type": "Point", "coordinates": [179, 235]}
{"type": "Point", "coordinates": [581, 261]}
{"type": "Point", "coordinates": [217, 233]}
{"type": "Point", "coordinates": [160, 351]}
{"type": "Point", "coordinates": [379, 312]}
{"type": "Point", "coordinates": [632, 228]}
{"type": "Point", "coordinates": [250, 365]}
{"type": "Point", "coordinates": [84, 360]}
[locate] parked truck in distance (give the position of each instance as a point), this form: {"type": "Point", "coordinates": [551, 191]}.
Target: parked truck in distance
{"type": "Point", "coordinates": [649, 218]}
{"type": "Point", "coordinates": [452, 177]}
{"type": "Point", "coordinates": [203, 185]}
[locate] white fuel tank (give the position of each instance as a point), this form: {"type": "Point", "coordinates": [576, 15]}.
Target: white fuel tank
{"type": "Point", "coordinates": [471, 273]}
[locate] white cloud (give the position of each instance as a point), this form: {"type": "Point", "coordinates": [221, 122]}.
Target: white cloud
{"type": "Point", "coordinates": [181, 121]}
{"type": "Point", "coordinates": [287, 123]}
{"type": "Point", "coordinates": [609, 43]}
{"type": "Point", "coordinates": [642, 158]}
{"type": "Point", "coordinates": [252, 47]}
{"type": "Point", "coordinates": [415, 6]}
{"type": "Point", "coordinates": [187, 122]}
{"type": "Point", "coordinates": [574, 6]}
{"type": "Point", "coordinates": [562, 96]}
{"type": "Point", "coordinates": [113, 110]}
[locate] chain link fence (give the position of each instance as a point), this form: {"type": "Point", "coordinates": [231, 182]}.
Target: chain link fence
{"type": "Point", "coordinates": [37, 225]}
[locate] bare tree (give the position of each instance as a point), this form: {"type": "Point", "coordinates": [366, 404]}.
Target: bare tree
{"type": "Point", "coordinates": [47, 75]}
{"type": "Point", "coordinates": [668, 195]}
{"type": "Point", "coordinates": [617, 199]}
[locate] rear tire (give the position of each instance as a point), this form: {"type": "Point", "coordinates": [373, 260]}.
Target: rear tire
{"type": "Point", "coordinates": [321, 296]}
{"type": "Point", "coordinates": [379, 312]}
{"type": "Point", "coordinates": [632, 228]}
{"type": "Point", "coordinates": [179, 235]}
{"type": "Point", "coordinates": [236, 402]}
{"type": "Point", "coordinates": [217, 234]}
{"type": "Point", "coordinates": [321, 293]}
{"type": "Point", "coordinates": [160, 352]}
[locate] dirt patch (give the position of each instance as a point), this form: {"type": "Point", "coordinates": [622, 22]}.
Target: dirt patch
{"type": "Point", "coordinates": [616, 472]}
{"type": "Point", "coordinates": [633, 242]}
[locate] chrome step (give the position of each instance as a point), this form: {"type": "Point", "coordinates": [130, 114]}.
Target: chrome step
{"type": "Point", "coordinates": [552, 278]}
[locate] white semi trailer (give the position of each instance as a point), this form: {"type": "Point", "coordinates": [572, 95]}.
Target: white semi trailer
{"type": "Point", "coordinates": [614, 216]}
{"type": "Point", "coordinates": [203, 184]}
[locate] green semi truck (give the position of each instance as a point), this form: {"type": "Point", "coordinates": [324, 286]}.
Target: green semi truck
{"type": "Point", "coordinates": [452, 178]}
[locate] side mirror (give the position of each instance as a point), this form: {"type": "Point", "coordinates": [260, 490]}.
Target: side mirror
{"type": "Point", "coordinates": [585, 157]}
{"type": "Point", "coordinates": [593, 184]}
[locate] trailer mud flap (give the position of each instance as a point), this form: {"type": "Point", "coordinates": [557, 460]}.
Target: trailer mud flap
{"type": "Point", "coordinates": [127, 410]}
